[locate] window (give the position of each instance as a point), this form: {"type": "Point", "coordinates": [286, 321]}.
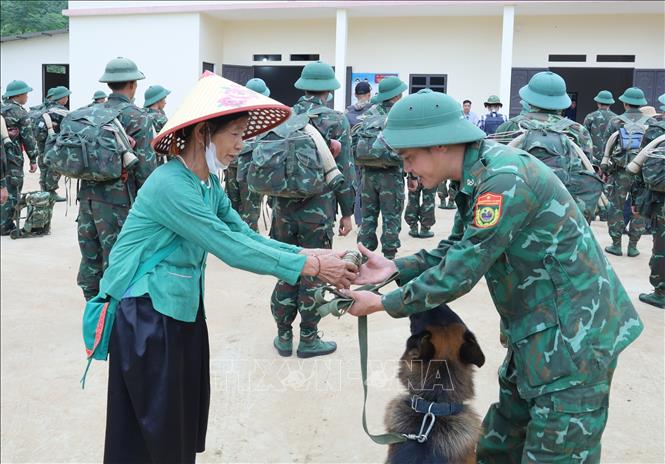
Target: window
{"type": "Point", "coordinates": [615, 58]}
{"type": "Point", "coordinates": [56, 69]}
{"type": "Point", "coordinates": [208, 67]}
{"type": "Point", "coordinates": [436, 82]}
{"type": "Point", "coordinates": [267, 57]}
{"type": "Point", "coordinates": [578, 58]}
{"type": "Point", "coordinates": [298, 57]}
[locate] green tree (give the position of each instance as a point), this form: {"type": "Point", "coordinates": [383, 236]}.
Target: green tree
{"type": "Point", "coordinates": [21, 16]}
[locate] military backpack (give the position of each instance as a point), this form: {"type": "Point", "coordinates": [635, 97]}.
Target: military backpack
{"type": "Point", "coordinates": [653, 167]}
{"type": "Point", "coordinates": [370, 148]}
{"type": "Point", "coordinates": [492, 122]}
{"type": "Point", "coordinates": [91, 145]}
{"type": "Point", "coordinates": [39, 211]}
{"type": "Point", "coordinates": [629, 140]}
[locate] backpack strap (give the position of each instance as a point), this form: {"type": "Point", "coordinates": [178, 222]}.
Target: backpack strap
{"type": "Point", "coordinates": [640, 122]}
{"type": "Point", "coordinates": [562, 124]}
{"type": "Point", "coordinates": [49, 123]}
{"type": "Point", "coordinates": [4, 131]}
{"type": "Point", "coordinates": [152, 262]}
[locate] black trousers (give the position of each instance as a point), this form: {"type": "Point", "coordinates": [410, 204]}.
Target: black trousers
{"type": "Point", "coordinates": [159, 386]}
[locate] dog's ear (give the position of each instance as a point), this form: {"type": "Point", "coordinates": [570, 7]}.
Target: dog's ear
{"type": "Point", "coordinates": [470, 352]}
{"type": "Point", "coordinates": [420, 346]}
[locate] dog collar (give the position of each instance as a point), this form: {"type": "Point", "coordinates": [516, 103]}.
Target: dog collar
{"type": "Point", "coordinates": [423, 406]}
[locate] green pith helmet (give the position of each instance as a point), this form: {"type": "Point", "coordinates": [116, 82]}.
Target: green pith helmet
{"type": "Point", "coordinates": [493, 100]}
{"type": "Point", "coordinates": [56, 93]}
{"type": "Point", "coordinates": [546, 90]}
{"type": "Point", "coordinates": [258, 86]}
{"type": "Point", "coordinates": [121, 70]}
{"type": "Point", "coordinates": [154, 94]}
{"type": "Point", "coordinates": [427, 119]}
{"type": "Point", "coordinates": [633, 96]}
{"type": "Point", "coordinates": [317, 77]}
{"type": "Point", "coordinates": [661, 99]}
{"type": "Point", "coordinates": [389, 87]}
{"type": "Point", "coordinates": [604, 97]}
{"type": "Point", "coordinates": [15, 88]}
{"type": "Point", "coordinates": [99, 94]}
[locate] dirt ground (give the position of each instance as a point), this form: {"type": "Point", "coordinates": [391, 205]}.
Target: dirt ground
{"type": "Point", "coordinates": [265, 408]}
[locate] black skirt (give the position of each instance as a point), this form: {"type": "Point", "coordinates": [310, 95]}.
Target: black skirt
{"type": "Point", "coordinates": [159, 386]}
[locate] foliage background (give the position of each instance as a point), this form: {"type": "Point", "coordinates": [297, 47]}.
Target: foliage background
{"type": "Point", "coordinates": [19, 17]}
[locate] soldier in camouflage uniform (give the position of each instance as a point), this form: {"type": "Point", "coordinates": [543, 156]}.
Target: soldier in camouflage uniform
{"type": "Point", "coordinates": [56, 109]}
{"type": "Point", "coordinates": [383, 186]}
{"type": "Point", "coordinates": [154, 103]}
{"type": "Point", "coordinates": [652, 205]}
{"type": "Point", "coordinates": [418, 211]}
{"type": "Point", "coordinates": [596, 123]}
{"type": "Point", "coordinates": [447, 192]}
{"type": "Point", "coordinates": [621, 183]}
{"type": "Point", "coordinates": [566, 314]}
{"type": "Point", "coordinates": [309, 222]}
{"type": "Point", "coordinates": [21, 135]}
{"type": "Point", "coordinates": [104, 205]}
{"type": "Point", "coordinates": [98, 97]}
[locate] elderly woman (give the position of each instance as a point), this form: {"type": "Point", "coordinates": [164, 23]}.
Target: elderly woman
{"type": "Point", "coordinates": [159, 385]}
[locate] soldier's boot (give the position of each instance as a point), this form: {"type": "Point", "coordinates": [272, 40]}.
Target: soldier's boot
{"type": "Point", "coordinates": [443, 205]}
{"type": "Point", "coordinates": [425, 232]}
{"type": "Point", "coordinates": [284, 343]}
{"type": "Point", "coordinates": [614, 248]}
{"type": "Point", "coordinates": [413, 232]}
{"type": "Point", "coordinates": [389, 254]}
{"type": "Point", "coordinates": [450, 204]}
{"type": "Point", "coordinates": [311, 345]}
{"type": "Point", "coordinates": [632, 250]}
{"type": "Point", "coordinates": [654, 299]}
{"type": "Point", "coordinates": [57, 198]}
{"type": "Point", "coordinates": [7, 229]}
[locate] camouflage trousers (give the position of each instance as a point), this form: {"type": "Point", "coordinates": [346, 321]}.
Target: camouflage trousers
{"type": "Point", "coordinates": [14, 182]}
{"type": "Point", "coordinates": [382, 192]}
{"type": "Point", "coordinates": [421, 212]}
{"type": "Point", "coordinates": [621, 183]}
{"type": "Point", "coordinates": [243, 200]}
{"type": "Point", "coordinates": [447, 189]}
{"type": "Point", "coordinates": [98, 227]}
{"type": "Point", "coordinates": [288, 300]}
{"type": "Point", "coordinates": [48, 178]}
{"type": "Point", "coordinates": [560, 427]}
{"type": "Point", "coordinates": [657, 261]}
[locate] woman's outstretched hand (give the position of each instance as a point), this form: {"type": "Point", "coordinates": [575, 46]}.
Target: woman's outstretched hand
{"type": "Point", "coordinates": [376, 270]}
{"type": "Point", "coordinates": [331, 268]}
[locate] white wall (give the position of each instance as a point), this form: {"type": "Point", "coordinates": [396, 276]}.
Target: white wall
{"type": "Point", "coordinates": [165, 48]}
{"type": "Point", "coordinates": [210, 38]}
{"type": "Point", "coordinates": [641, 35]}
{"type": "Point", "coordinates": [23, 59]}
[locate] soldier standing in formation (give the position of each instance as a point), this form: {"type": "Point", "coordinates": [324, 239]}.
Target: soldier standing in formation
{"type": "Point", "coordinates": [383, 186]}
{"type": "Point", "coordinates": [566, 315]}
{"type": "Point", "coordinates": [355, 113]}
{"type": "Point", "coordinates": [57, 110]}
{"type": "Point", "coordinates": [490, 121]}
{"type": "Point", "coordinates": [596, 124]}
{"type": "Point", "coordinates": [20, 133]}
{"type": "Point", "coordinates": [309, 222]}
{"type": "Point", "coordinates": [104, 205]}
{"type": "Point", "coordinates": [621, 182]}
{"type": "Point", "coordinates": [420, 212]}
{"type": "Point", "coordinates": [154, 103]}
{"type": "Point", "coordinates": [99, 97]}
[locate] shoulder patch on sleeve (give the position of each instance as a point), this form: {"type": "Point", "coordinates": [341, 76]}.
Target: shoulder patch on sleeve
{"type": "Point", "coordinates": [488, 210]}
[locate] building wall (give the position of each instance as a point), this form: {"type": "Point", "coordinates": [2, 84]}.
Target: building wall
{"type": "Point", "coordinates": [23, 59]}
{"type": "Point", "coordinates": [165, 48]}
{"type": "Point", "coordinates": [210, 37]}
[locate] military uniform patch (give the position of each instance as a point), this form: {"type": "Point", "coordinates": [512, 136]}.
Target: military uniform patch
{"type": "Point", "coordinates": [488, 210]}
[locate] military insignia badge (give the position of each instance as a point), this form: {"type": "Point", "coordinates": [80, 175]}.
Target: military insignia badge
{"type": "Point", "coordinates": [488, 210]}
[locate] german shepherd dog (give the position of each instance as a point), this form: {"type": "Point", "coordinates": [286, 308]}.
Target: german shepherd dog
{"type": "Point", "coordinates": [437, 371]}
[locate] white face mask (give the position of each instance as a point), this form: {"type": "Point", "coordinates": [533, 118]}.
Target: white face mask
{"type": "Point", "coordinates": [214, 165]}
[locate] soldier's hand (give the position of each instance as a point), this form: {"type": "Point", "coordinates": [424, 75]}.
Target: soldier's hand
{"type": "Point", "coordinates": [4, 195]}
{"type": "Point", "coordinates": [345, 226]}
{"type": "Point", "coordinates": [33, 167]}
{"type": "Point", "coordinates": [335, 147]}
{"type": "Point", "coordinates": [377, 269]}
{"type": "Point", "coordinates": [364, 302]}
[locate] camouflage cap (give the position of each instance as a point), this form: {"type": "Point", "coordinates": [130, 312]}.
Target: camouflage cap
{"type": "Point", "coordinates": [633, 96]}
{"type": "Point", "coordinates": [317, 77]}
{"type": "Point", "coordinates": [389, 87]}
{"type": "Point", "coordinates": [604, 97]}
{"type": "Point", "coordinates": [56, 93]}
{"type": "Point", "coordinates": [661, 99]}
{"type": "Point", "coordinates": [546, 90]}
{"type": "Point", "coordinates": [427, 119]}
{"type": "Point", "coordinates": [99, 94]}
{"type": "Point", "coordinates": [493, 100]}
{"type": "Point", "coordinates": [153, 94]}
{"type": "Point", "coordinates": [15, 88]}
{"type": "Point", "coordinates": [258, 85]}
{"type": "Point", "coordinates": [121, 70]}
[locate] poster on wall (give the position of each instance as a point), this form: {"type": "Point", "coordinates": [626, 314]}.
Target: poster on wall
{"type": "Point", "coordinates": [372, 79]}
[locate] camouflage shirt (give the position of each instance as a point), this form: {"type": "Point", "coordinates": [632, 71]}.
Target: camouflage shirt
{"type": "Point", "coordinates": [322, 209]}
{"type": "Point", "coordinates": [565, 311]}
{"type": "Point", "coordinates": [139, 127]}
{"type": "Point", "coordinates": [158, 118]}
{"type": "Point", "coordinates": [596, 124]}
{"type": "Point", "coordinates": [17, 120]}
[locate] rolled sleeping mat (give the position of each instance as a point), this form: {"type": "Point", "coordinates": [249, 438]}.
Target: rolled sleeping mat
{"type": "Point", "coordinates": [605, 162]}
{"type": "Point", "coordinates": [635, 166]}
{"type": "Point", "coordinates": [332, 175]}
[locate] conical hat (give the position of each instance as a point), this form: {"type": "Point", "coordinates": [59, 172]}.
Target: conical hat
{"type": "Point", "coordinates": [214, 96]}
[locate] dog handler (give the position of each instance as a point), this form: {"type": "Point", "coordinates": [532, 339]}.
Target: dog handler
{"type": "Point", "coordinates": [159, 382]}
{"type": "Point", "coordinates": [565, 312]}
